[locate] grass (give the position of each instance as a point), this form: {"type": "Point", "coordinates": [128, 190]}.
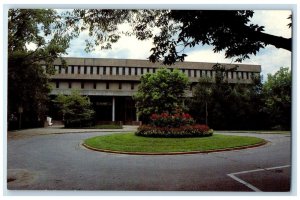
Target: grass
{"type": "Point", "coordinates": [129, 142]}
{"type": "Point", "coordinates": [255, 132]}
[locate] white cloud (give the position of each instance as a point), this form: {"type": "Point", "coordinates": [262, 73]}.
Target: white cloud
{"type": "Point", "coordinates": [271, 60]}
{"type": "Point", "coordinates": [274, 21]}
{"type": "Point", "coordinates": [126, 47]}
{"type": "Point", "coordinates": [31, 46]}
{"type": "Point", "coordinates": [207, 55]}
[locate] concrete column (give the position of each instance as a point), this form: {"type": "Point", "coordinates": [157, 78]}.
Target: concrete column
{"type": "Point", "coordinates": [113, 108]}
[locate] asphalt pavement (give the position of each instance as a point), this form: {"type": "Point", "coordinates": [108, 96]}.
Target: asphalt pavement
{"type": "Point", "coordinates": [59, 162]}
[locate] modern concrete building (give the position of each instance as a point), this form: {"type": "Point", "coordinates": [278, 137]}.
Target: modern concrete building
{"type": "Point", "coordinates": [111, 83]}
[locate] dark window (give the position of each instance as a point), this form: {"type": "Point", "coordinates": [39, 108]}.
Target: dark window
{"type": "Point", "coordinates": [154, 70]}
{"type": "Point", "coordinates": [70, 84]}
{"type": "Point", "coordinates": [82, 85]}
{"type": "Point", "coordinates": [95, 85]}
{"type": "Point", "coordinates": [195, 73]}
{"type": "Point", "coordinates": [117, 70]}
{"type": "Point", "coordinates": [110, 70]}
{"type": "Point", "coordinates": [120, 86]}
{"type": "Point", "coordinates": [78, 68]}
{"type": "Point", "coordinates": [98, 70]}
{"type": "Point", "coordinates": [72, 69]}
{"type": "Point", "coordinates": [232, 75]}
{"type": "Point", "coordinates": [183, 70]}
{"type": "Point", "coordinates": [123, 70]}
{"type": "Point", "coordinates": [66, 71]}
{"type": "Point", "coordinates": [135, 71]}
{"type": "Point", "coordinates": [59, 69]}
{"type": "Point", "coordinates": [104, 70]}
{"type": "Point", "coordinates": [148, 70]}
{"type": "Point", "coordinates": [206, 73]}
{"type": "Point", "coordinates": [85, 69]}
{"type": "Point", "coordinates": [132, 86]}
{"type": "Point", "coordinates": [129, 72]}
{"type": "Point", "coordinates": [57, 84]}
{"type": "Point", "coordinates": [107, 85]}
{"type": "Point", "coordinates": [92, 70]}
{"type": "Point", "coordinates": [142, 70]}
{"type": "Point", "coordinates": [200, 73]}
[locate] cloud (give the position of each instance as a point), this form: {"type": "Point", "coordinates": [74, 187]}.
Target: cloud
{"type": "Point", "coordinates": [31, 46]}
{"type": "Point", "coordinates": [274, 21]}
{"type": "Point", "coordinates": [206, 54]}
{"type": "Point", "coordinates": [271, 60]}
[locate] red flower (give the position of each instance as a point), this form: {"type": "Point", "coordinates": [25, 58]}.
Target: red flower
{"type": "Point", "coordinates": [186, 115]}
{"type": "Point", "coordinates": [164, 115]}
{"type": "Point", "coordinates": [154, 117]}
{"type": "Point", "coordinates": [176, 115]}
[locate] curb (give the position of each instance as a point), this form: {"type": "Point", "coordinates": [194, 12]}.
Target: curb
{"type": "Point", "coordinates": [174, 153]}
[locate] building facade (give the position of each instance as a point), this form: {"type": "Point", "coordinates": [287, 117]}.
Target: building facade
{"type": "Point", "coordinates": [111, 83]}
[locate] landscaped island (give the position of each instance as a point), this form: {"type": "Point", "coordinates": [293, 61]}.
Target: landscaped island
{"type": "Point", "coordinates": [131, 144]}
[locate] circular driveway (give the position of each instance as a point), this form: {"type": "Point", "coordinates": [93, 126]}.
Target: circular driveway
{"type": "Point", "coordinates": [59, 162]}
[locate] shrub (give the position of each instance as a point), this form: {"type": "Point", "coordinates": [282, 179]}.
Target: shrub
{"type": "Point", "coordinates": [182, 131]}
{"type": "Point", "coordinates": [76, 110]}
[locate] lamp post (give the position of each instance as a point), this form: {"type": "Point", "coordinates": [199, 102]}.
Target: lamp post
{"type": "Point", "coordinates": [206, 113]}
{"type": "Point", "coordinates": [20, 110]}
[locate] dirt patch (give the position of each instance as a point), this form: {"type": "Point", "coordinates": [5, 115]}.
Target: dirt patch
{"type": "Point", "coordinates": [17, 178]}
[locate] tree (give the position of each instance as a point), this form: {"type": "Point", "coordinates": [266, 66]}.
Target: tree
{"type": "Point", "coordinates": [277, 97]}
{"type": "Point", "coordinates": [216, 97]}
{"type": "Point", "coordinates": [46, 33]}
{"type": "Point", "coordinates": [160, 92]}
{"type": "Point", "coordinates": [76, 109]}
{"type": "Point", "coordinates": [226, 30]}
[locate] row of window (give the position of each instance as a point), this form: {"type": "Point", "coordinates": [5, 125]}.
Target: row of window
{"type": "Point", "coordinates": [82, 85]}
{"type": "Point", "coordinates": [102, 70]}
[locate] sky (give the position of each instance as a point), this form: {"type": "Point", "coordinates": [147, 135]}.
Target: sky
{"type": "Point", "coordinates": [270, 58]}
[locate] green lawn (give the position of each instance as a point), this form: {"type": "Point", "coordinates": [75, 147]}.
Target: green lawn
{"type": "Point", "coordinates": [255, 132]}
{"type": "Point", "coordinates": [129, 142]}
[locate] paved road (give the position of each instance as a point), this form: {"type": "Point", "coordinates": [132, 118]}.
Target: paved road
{"type": "Point", "coordinates": [59, 162]}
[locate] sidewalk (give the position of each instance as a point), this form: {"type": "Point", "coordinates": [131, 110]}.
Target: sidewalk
{"type": "Point", "coordinates": [61, 130]}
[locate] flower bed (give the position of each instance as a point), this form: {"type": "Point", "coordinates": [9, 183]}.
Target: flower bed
{"type": "Point", "coordinates": [182, 131]}
{"type": "Point", "coordinates": [176, 125]}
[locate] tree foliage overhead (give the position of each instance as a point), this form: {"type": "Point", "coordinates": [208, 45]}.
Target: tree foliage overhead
{"type": "Point", "coordinates": [161, 92]}
{"type": "Point", "coordinates": [174, 30]}
{"type": "Point", "coordinates": [36, 37]}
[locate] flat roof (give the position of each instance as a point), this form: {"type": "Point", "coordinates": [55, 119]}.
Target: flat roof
{"type": "Point", "coordinates": [146, 63]}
